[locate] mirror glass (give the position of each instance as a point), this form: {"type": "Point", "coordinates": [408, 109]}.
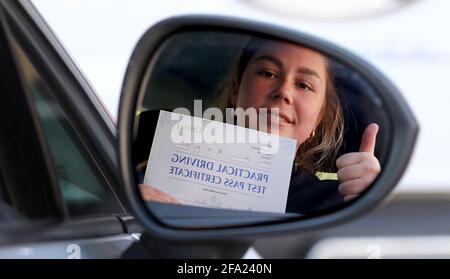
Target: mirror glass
{"type": "Point", "coordinates": [234, 128]}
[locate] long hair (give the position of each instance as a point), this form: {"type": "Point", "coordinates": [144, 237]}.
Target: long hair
{"type": "Point", "coordinates": [318, 153]}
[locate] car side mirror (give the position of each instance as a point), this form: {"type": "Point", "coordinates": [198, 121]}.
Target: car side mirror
{"type": "Point", "coordinates": [314, 160]}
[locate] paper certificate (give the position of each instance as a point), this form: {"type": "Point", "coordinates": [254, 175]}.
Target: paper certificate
{"type": "Point", "coordinates": [240, 176]}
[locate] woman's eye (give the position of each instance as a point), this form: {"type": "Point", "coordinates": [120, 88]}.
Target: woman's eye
{"type": "Point", "coordinates": [267, 74]}
{"type": "Point", "coordinates": [303, 86]}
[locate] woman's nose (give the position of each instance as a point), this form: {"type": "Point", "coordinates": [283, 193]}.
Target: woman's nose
{"type": "Point", "coordinates": [283, 91]}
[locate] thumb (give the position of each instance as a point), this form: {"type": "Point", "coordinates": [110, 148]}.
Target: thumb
{"type": "Point", "coordinates": [369, 138]}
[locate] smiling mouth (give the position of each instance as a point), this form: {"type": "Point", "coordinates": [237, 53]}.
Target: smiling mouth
{"type": "Point", "coordinates": [281, 118]}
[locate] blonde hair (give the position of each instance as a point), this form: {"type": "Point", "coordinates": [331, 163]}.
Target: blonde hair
{"type": "Point", "coordinates": [317, 153]}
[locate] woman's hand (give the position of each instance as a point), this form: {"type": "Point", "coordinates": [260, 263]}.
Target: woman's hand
{"type": "Point", "coordinates": [357, 171]}
{"type": "Point", "coordinates": [150, 193]}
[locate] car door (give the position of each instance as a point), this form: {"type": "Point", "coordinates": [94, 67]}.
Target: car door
{"type": "Point", "coordinates": [60, 189]}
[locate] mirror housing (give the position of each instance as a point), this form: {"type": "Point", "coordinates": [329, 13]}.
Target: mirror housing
{"type": "Point", "coordinates": [403, 123]}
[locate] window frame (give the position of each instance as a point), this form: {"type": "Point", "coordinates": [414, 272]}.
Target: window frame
{"type": "Point", "coordinates": [94, 127]}
{"type": "Point", "coordinates": [89, 118]}
{"type": "Point", "coordinates": [29, 169]}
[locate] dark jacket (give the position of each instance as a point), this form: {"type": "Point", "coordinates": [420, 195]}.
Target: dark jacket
{"type": "Point", "coordinates": [308, 194]}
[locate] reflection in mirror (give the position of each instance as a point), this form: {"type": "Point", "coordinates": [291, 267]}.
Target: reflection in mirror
{"type": "Point", "coordinates": [275, 127]}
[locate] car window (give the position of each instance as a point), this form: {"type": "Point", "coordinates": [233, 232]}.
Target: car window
{"type": "Point", "coordinates": [2, 189]}
{"type": "Point", "coordinates": [7, 211]}
{"type": "Point", "coordinates": [84, 189]}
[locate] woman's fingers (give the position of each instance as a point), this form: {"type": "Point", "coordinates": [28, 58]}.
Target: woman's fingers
{"type": "Point", "coordinates": [366, 149]}
{"type": "Point", "coordinates": [349, 198]}
{"type": "Point", "coordinates": [357, 171]}
{"type": "Point", "coordinates": [351, 159]}
{"type": "Point", "coordinates": [367, 167]}
{"type": "Point", "coordinates": [348, 159]}
{"type": "Point", "coordinates": [150, 193]}
{"type": "Point", "coordinates": [369, 139]}
{"type": "Point", "coordinates": [351, 172]}
{"type": "Point", "coordinates": [353, 187]}
{"type": "Point", "coordinates": [356, 178]}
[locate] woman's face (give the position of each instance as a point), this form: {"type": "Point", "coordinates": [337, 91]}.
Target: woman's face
{"type": "Point", "coordinates": [290, 78]}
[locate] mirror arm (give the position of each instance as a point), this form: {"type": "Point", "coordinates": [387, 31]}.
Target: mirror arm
{"type": "Point", "coordinates": [169, 249]}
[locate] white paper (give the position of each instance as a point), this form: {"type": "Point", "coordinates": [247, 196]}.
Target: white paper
{"type": "Point", "coordinates": [240, 176]}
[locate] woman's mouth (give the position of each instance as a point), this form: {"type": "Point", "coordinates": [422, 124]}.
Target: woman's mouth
{"type": "Point", "coordinates": [280, 118]}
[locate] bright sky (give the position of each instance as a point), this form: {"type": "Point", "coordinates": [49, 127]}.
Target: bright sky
{"type": "Point", "coordinates": [410, 46]}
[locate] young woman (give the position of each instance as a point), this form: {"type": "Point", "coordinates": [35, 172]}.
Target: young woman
{"type": "Point", "coordinates": [297, 81]}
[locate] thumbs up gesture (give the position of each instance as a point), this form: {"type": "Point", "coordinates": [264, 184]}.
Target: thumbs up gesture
{"type": "Point", "coordinates": [357, 170]}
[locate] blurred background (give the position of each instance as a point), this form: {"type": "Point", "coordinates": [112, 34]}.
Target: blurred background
{"type": "Point", "coordinates": [404, 39]}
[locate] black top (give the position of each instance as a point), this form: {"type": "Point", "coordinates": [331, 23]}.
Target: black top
{"type": "Point", "coordinates": [308, 194]}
